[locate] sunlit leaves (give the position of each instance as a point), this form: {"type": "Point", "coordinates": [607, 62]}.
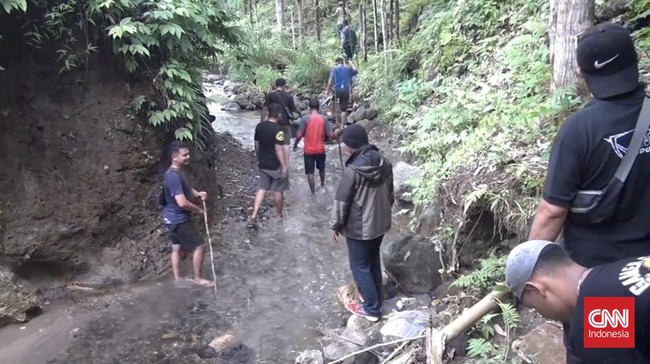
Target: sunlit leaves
{"type": "Point", "coordinates": [9, 5]}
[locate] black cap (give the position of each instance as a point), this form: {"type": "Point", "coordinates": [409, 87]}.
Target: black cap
{"type": "Point", "coordinates": [355, 136]}
{"type": "Point", "coordinates": [607, 60]}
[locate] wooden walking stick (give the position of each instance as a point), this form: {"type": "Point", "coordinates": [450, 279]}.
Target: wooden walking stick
{"type": "Point", "coordinates": [337, 117]}
{"type": "Point", "coordinates": [207, 231]}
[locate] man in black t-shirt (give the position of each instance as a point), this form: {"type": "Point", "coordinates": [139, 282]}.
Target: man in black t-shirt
{"type": "Point", "coordinates": [543, 277]}
{"type": "Point", "coordinates": [273, 170]}
{"type": "Point", "coordinates": [283, 98]}
{"type": "Point", "coordinates": [587, 150]}
{"type": "Point", "coordinates": [589, 147]}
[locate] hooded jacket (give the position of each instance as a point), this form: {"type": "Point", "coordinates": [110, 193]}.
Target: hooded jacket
{"type": "Point", "coordinates": [364, 198]}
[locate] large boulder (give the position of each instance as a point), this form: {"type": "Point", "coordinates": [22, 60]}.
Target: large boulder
{"type": "Point", "coordinates": [371, 113]}
{"type": "Point", "coordinates": [543, 343]}
{"type": "Point", "coordinates": [243, 101]}
{"type": "Point", "coordinates": [413, 264]}
{"type": "Point", "coordinates": [15, 303]}
{"type": "Point", "coordinates": [429, 221]}
{"type": "Point", "coordinates": [231, 106]}
{"type": "Point", "coordinates": [403, 176]}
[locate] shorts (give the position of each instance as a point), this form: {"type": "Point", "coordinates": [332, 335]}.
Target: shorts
{"type": "Point", "coordinates": [343, 98]}
{"type": "Point", "coordinates": [311, 159]}
{"type": "Point", "coordinates": [349, 52]}
{"type": "Point", "coordinates": [185, 235]}
{"type": "Point", "coordinates": [287, 134]}
{"type": "Point", "coordinates": [272, 180]}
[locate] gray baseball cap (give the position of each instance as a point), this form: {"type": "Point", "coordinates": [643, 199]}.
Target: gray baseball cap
{"type": "Point", "coordinates": [521, 264]}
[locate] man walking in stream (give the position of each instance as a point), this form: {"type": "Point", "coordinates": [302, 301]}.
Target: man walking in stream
{"type": "Point", "coordinates": [281, 97]}
{"type": "Point", "coordinates": [341, 79]}
{"type": "Point", "coordinates": [314, 128]}
{"type": "Point", "coordinates": [362, 213]}
{"type": "Point", "coordinates": [177, 212]}
{"type": "Point", "coordinates": [272, 164]}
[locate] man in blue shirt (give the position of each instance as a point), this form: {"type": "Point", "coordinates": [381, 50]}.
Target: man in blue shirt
{"type": "Point", "coordinates": [177, 212]}
{"type": "Point", "coordinates": [341, 79]}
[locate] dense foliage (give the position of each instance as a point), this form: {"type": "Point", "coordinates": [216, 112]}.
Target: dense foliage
{"type": "Point", "coordinates": [170, 42]}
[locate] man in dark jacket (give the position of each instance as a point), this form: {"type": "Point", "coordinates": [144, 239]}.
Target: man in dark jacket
{"type": "Point", "coordinates": [348, 40]}
{"type": "Point", "coordinates": [362, 213]}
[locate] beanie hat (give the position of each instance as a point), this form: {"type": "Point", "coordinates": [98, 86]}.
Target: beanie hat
{"type": "Point", "coordinates": [355, 136]}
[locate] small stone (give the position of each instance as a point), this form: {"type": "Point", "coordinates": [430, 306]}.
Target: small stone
{"type": "Point", "coordinates": [310, 357]}
{"type": "Point", "coordinates": [225, 342]}
{"type": "Point", "coordinates": [169, 335]}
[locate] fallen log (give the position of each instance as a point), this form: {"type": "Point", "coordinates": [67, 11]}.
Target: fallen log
{"type": "Point", "coordinates": [437, 339]}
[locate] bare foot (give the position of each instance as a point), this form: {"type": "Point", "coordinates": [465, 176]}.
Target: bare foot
{"type": "Point", "coordinates": [252, 222]}
{"type": "Point", "coordinates": [203, 282]}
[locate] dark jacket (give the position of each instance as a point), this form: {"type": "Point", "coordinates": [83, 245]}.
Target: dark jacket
{"type": "Point", "coordinates": [364, 198]}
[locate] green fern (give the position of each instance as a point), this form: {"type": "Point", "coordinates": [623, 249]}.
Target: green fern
{"type": "Point", "coordinates": [491, 272]}
{"type": "Point", "coordinates": [479, 347]}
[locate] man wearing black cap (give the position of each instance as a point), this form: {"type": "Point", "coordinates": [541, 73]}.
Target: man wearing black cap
{"type": "Point", "coordinates": [362, 213]}
{"type": "Point", "coordinates": [543, 277]}
{"type": "Point", "coordinates": [587, 151]}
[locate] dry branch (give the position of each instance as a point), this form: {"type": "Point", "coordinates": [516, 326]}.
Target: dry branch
{"type": "Point", "coordinates": [375, 347]}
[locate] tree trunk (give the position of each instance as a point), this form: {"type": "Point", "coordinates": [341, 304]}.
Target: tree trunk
{"type": "Point", "coordinates": [293, 32]}
{"type": "Point", "coordinates": [390, 24]}
{"type": "Point", "coordinates": [318, 25]}
{"type": "Point", "coordinates": [364, 30]}
{"type": "Point", "coordinates": [396, 19]}
{"type": "Point", "coordinates": [568, 18]}
{"type": "Point", "coordinates": [384, 31]}
{"type": "Point", "coordinates": [376, 23]}
{"type": "Point", "coordinates": [279, 13]}
{"type": "Point", "coordinates": [301, 29]}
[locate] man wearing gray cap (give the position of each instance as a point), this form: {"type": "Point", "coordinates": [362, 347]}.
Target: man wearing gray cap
{"type": "Point", "coordinates": [592, 300]}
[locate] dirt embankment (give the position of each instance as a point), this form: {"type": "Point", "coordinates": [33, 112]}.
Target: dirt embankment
{"type": "Point", "coordinates": [79, 181]}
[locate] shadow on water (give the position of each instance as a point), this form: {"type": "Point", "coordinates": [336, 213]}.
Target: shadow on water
{"type": "Point", "coordinates": [276, 288]}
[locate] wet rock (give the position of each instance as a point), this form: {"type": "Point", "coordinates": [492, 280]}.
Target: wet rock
{"type": "Point", "coordinates": [371, 113]}
{"type": "Point", "coordinates": [339, 349]}
{"type": "Point", "coordinates": [225, 343]}
{"type": "Point", "coordinates": [406, 324]}
{"type": "Point", "coordinates": [15, 303]}
{"type": "Point", "coordinates": [412, 263]}
{"type": "Point", "coordinates": [429, 221]}
{"type": "Point", "coordinates": [358, 323]}
{"type": "Point", "coordinates": [310, 357]}
{"type": "Point", "coordinates": [359, 114]}
{"type": "Point", "coordinates": [403, 175]}
{"type": "Point", "coordinates": [544, 343]}
{"type": "Point", "coordinates": [231, 106]}
{"type": "Point", "coordinates": [354, 335]}
{"type": "Point", "coordinates": [243, 102]}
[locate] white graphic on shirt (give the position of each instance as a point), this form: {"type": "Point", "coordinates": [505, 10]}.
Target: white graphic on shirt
{"type": "Point", "coordinates": [619, 149]}
{"type": "Point", "coordinates": [636, 275]}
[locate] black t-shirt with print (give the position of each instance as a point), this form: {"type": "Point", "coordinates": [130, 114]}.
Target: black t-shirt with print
{"type": "Point", "coordinates": [285, 100]}
{"type": "Point", "coordinates": [268, 134]}
{"type": "Point", "coordinates": [585, 154]}
{"type": "Point", "coordinates": [624, 278]}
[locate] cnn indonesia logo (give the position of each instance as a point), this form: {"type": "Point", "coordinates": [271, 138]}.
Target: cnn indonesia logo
{"type": "Point", "coordinates": [609, 322]}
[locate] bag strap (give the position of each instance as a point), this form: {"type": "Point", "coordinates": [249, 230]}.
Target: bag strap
{"type": "Point", "coordinates": [640, 133]}
{"type": "Point", "coordinates": [283, 105]}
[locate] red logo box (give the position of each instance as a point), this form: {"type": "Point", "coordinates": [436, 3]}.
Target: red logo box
{"type": "Point", "coordinates": [609, 322]}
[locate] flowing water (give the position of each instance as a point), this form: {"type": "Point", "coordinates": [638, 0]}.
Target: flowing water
{"type": "Point", "coordinates": [276, 288]}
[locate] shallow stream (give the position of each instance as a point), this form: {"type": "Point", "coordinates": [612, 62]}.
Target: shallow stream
{"type": "Point", "coordinates": [276, 289]}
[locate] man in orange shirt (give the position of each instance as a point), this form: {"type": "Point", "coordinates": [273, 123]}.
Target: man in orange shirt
{"type": "Point", "coordinates": [314, 127]}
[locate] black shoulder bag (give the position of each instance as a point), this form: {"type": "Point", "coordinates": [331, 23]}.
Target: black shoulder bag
{"type": "Point", "coordinates": [289, 113]}
{"type": "Point", "coordinates": [597, 206]}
